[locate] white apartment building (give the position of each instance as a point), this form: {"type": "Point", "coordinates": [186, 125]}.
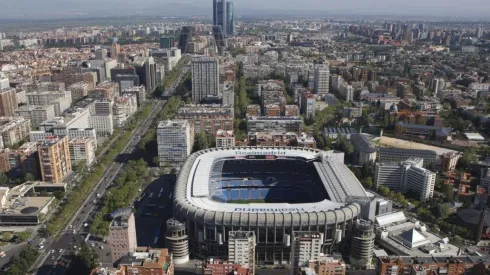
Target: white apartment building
{"type": "Point", "coordinates": [205, 78]}
{"type": "Point", "coordinates": [60, 105]}
{"type": "Point", "coordinates": [175, 139]}
{"type": "Point", "coordinates": [346, 91]}
{"type": "Point", "coordinates": [82, 133]}
{"type": "Point", "coordinates": [405, 176]}
{"type": "Point", "coordinates": [77, 118]}
{"type": "Point", "coordinates": [40, 98]}
{"type": "Point", "coordinates": [82, 150]}
{"type": "Point", "coordinates": [123, 108]}
{"type": "Point", "coordinates": [241, 248]}
{"type": "Point", "coordinates": [321, 79]}
{"type": "Point", "coordinates": [36, 114]}
{"type": "Point", "coordinates": [225, 139]}
{"type": "Point", "coordinates": [306, 246]}
{"type": "Point", "coordinates": [103, 125]}
{"type": "Point", "coordinates": [139, 91]}
{"type": "Point", "coordinates": [103, 107]}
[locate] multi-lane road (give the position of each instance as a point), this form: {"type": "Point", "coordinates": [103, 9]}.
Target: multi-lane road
{"type": "Point", "coordinates": [51, 260]}
{"type": "Point", "coordinates": [56, 254]}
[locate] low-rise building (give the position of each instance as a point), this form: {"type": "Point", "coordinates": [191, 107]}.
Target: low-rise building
{"type": "Point", "coordinates": [217, 266]}
{"type": "Point", "coordinates": [36, 114]}
{"type": "Point", "coordinates": [21, 161]}
{"type": "Point", "coordinates": [207, 118]}
{"type": "Point", "coordinates": [225, 139]}
{"type": "Point", "coordinates": [154, 261]}
{"type": "Point", "coordinates": [275, 124]}
{"type": "Point", "coordinates": [326, 264]}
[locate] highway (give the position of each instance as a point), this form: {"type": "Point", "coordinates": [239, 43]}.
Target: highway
{"type": "Point", "coordinates": [56, 256]}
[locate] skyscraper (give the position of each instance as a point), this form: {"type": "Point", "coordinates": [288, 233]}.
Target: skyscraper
{"type": "Point", "coordinates": [321, 79]}
{"type": "Point", "coordinates": [205, 78]}
{"type": "Point", "coordinates": [186, 35]}
{"type": "Point", "coordinates": [223, 16]}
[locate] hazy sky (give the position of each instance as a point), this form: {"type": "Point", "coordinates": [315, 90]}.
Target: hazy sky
{"type": "Point", "coordinates": [43, 8]}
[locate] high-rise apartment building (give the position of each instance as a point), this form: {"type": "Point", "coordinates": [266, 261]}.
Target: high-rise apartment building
{"type": "Point", "coordinates": [205, 78]}
{"type": "Point", "coordinates": [13, 130]}
{"type": "Point", "coordinates": [8, 102]}
{"type": "Point", "coordinates": [308, 104]}
{"type": "Point", "coordinates": [54, 159]}
{"type": "Point", "coordinates": [146, 69]}
{"type": "Point", "coordinates": [405, 176]}
{"type": "Point", "coordinates": [321, 79]}
{"type": "Point", "coordinates": [306, 246]}
{"type": "Point", "coordinates": [241, 249]}
{"type": "Point", "coordinates": [122, 236]}
{"type": "Point", "coordinates": [223, 16]}
{"type": "Point", "coordinates": [175, 139]}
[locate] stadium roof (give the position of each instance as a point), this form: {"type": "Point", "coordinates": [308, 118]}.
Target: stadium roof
{"type": "Point", "coordinates": [340, 183]}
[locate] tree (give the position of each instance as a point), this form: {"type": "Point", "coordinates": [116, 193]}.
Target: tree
{"type": "Point", "coordinates": [30, 177]}
{"type": "Point", "coordinates": [4, 180]}
{"type": "Point", "coordinates": [156, 161]}
{"type": "Point", "coordinates": [83, 262]}
{"type": "Point", "coordinates": [6, 236]}
{"type": "Point", "coordinates": [442, 211]}
{"type": "Point", "coordinates": [368, 183]}
{"type": "Point", "coordinates": [448, 191]}
{"type": "Point", "coordinates": [59, 194]}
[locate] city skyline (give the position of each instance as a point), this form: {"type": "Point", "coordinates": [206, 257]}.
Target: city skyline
{"type": "Point", "coordinates": [68, 8]}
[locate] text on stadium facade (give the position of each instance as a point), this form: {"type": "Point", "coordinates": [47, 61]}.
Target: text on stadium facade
{"type": "Point", "coordinates": [269, 210]}
{"type": "Point", "coordinates": [276, 153]}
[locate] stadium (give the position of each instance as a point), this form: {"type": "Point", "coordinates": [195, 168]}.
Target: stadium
{"type": "Point", "coordinates": [273, 191]}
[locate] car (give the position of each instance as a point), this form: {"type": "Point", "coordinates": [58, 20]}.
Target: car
{"type": "Point", "coordinates": [61, 250]}
{"type": "Point", "coordinates": [101, 247]}
{"type": "Point", "coordinates": [2, 254]}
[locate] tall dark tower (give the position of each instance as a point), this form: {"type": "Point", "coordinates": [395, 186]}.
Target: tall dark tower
{"type": "Point", "coordinates": [223, 16]}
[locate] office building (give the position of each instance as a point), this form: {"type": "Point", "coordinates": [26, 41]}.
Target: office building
{"type": "Point", "coordinates": [20, 161]}
{"type": "Point", "coordinates": [100, 54]}
{"type": "Point", "coordinates": [126, 81]}
{"type": "Point", "coordinates": [175, 139]}
{"type": "Point", "coordinates": [325, 265]}
{"type": "Point", "coordinates": [82, 150]}
{"type": "Point", "coordinates": [139, 91]}
{"type": "Point", "coordinates": [218, 266]}
{"type": "Point", "coordinates": [54, 158]}
{"type": "Point", "coordinates": [13, 130]}
{"type": "Point", "coordinates": [177, 240]}
{"type": "Point", "coordinates": [362, 246]}
{"type": "Point", "coordinates": [186, 36]}
{"type": "Point", "coordinates": [103, 124]}
{"type": "Point", "coordinates": [167, 42]}
{"type": "Point", "coordinates": [74, 133]}
{"type": "Point", "coordinates": [275, 124]}
{"type": "Point", "coordinates": [146, 69]}
{"type": "Point", "coordinates": [205, 78]}
{"type": "Point", "coordinates": [406, 176]}
{"type": "Point", "coordinates": [122, 235]}
{"type": "Point", "coordinates": [147, 261]}
{"type": "Point", "coordinates": [225, 138]}
{"type": "Point", "coordinates": [306, 246]}
{"type": "Point", "coordinates": [398, 155]}
{"type": "Point", "coordinates": [241, 249]}
{"type": "Point", "coordinates": [321, 79]}
{"type": "Point", "coordinates": [8, 102]}
{"type": "Point", "coordinates": [223, 16]}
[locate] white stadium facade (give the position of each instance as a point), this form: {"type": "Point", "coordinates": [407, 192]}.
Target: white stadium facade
{"type": "Point", "coordinates": [273, 191]}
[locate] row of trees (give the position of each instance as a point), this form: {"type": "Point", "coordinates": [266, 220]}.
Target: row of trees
{"type": "Point", "coordinates": [20, 265]}
{"type": "Point", "coordinates": [148, 143]}
{"type": "Point", "coordinates": [78, 194]}
{"type": "Point", "coordinates": [121, 195]}
{"type": "Point", "coordinates": [203, 141]}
